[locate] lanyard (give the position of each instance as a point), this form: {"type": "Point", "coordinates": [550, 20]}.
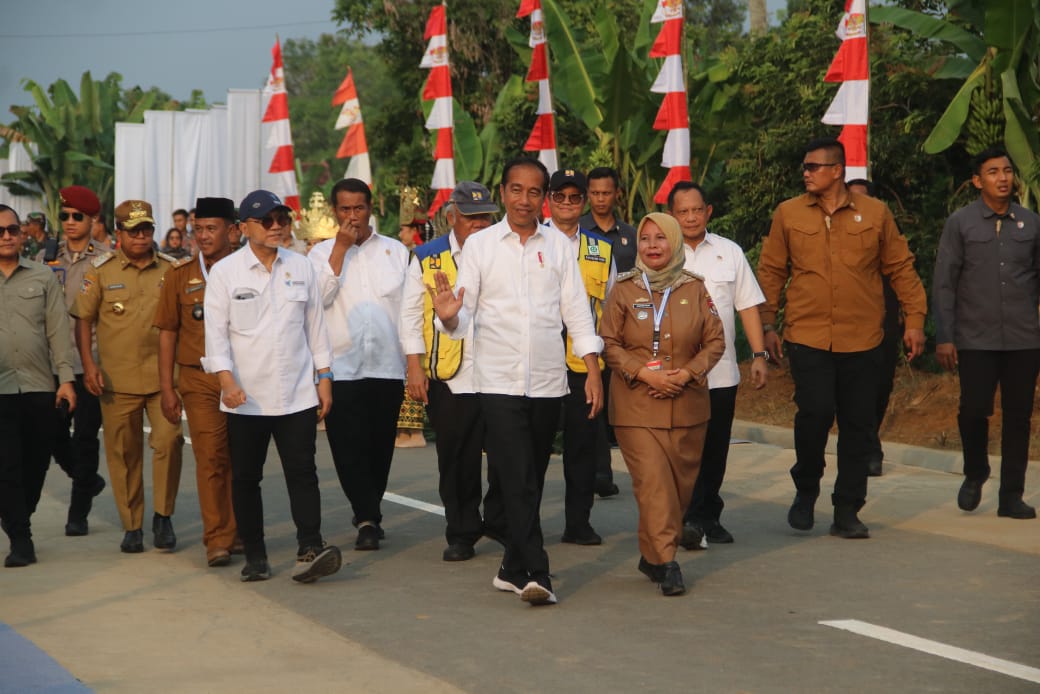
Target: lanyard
{"type": "Point", "coordinates": [658, 314]}
{"type": "Point", "coordinates": [202, 265]}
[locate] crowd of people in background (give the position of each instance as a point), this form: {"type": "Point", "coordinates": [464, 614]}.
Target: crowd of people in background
{"type": "Point", "coordinates": [512, 325]}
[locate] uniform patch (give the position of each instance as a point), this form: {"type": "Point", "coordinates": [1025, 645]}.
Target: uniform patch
{"type": "Point", "coordinates": [116, 286]}
{"type": "Point", "coordinates": [196, 288]}
{"type": "Point", "coordinates": [595, 258]}
{"type": "Point", "coordinates": [711, 306]}
{"type": "Point", "coordinates": [102, 259]}
{"type": "Point", "coordinates": [87, 284]}
{"type": "Point", "coordinates": [434, 262]}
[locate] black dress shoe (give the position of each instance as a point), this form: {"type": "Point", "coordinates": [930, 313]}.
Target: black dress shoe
{"type": "Point", "coordinates": [162, 533]}
{"type": "Point", "coordinates": [970, 495]}
{"type": "Point", "coordinates": [874, 467]}
{"type": "Point", "coordinates": [655, 572]}
{"type": "Point", "coordinates": [607, 489]}
{"type": "Point", "coordinates": [133, 542]}
{"type": "Point", "coordinates": [581, 536]}
{"type": "Point", "coordinates": [718, 535]}
{"type": "Point", "coordinates": [22, 553]}
{"type": "Point", "coordinates": [458, 551]}
{"type": "Point", "coordinates": [672, 581]}
{"type": "Point", "coordinates": [77, 527]}
{"type": "Point", "coordinates": [847, 524]}
{"type": "Point", "coordinates": [692, 537]}
{"type": "Point", "coordinates": [1016, 508]}
{"type": "Point", "coordinates": [367, 538]}
{"type": "Point", "coordinates": [801, 517]}
{"type": "Point", "coordinates": [382, 533]}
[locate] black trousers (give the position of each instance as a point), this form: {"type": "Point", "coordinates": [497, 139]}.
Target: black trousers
{"type": "Point", "coordinates": [604, 473]}
{"type": "Point", "coordinates": [980, 373]}
{"type": "Point", "coordinates": [584, 446]}
{"type": "Point", "coordinates": [891, 347]}
{"type": "Point", "coordinates": [361, 428]}
{"type": "Point", "coordinates": [706, 504]}
{"type": "Point", "coordinates": [459, 425]}
{"type": "Point", "coordinates": [294, 436]}
{"type": "Point", "coordinates": [26, 436]}
{"type": "Point", "coordinates": [520, 432]}
{"type": "Point", "coordinates": [829, 384]}
{"type": "Point", "coordinates": [77, 453]}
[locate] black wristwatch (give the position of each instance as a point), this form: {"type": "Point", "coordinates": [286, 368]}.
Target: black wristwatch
{"type": "Point", "coordinates": [764, 355]}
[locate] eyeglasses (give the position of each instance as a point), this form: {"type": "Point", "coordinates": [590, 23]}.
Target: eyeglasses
{"type": "Point", "coordinates": [813, 167]}
{"type": "Point", "coordinates": [139, 230]}
{"type": "Point", "coordinates": [11, 230]}
{"type": "Point", "coordinates": [281, 219]}
{"type": "Point", "coordinates": [573, 198]}
{"type": "Point", "coordinates": [64, 216]}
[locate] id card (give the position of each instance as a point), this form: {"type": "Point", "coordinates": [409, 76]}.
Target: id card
{"type": "Point", "coordinates": [654, 365]}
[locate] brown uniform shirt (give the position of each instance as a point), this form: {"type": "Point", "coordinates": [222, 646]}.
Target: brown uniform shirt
{"type": "Point", "coordinates": [835, 300]}
{"type": "Point", "coordinates": [691, 338]}
{"type": "Point", "coordinates": [180, 309]}
{"type": "Point", "coordinates": [120, 299]}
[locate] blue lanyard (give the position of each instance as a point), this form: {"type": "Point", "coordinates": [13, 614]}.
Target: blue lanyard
{"type": "Point", "coordinates": [658, 314]}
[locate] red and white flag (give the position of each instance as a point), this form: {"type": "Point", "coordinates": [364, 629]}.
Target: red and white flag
{"type": "Point", "coordinates": [543, 135]}
{"type": "Point", "coordinates": [673, 115]}
{"type": "Point", "coordinates": [441, 119]}
{"type": "Point", "coordinates": [851, 106]}
{"type": "Point", "coordinates": [279, 137]}
{"type": "Point", "coordinates": [354, 144]}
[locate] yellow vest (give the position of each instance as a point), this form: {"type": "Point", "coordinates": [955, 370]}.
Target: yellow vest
{"type": "Point", "coordinates": [443, 355]}
{"type": "Point", "coordinates": [594, 258]}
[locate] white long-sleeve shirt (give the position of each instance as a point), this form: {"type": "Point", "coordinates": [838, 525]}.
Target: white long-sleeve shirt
{"type": "Point", "coordinates": [363, 306]}
{"type": "Point", "coordinates": [267, 329]}
{"type": "Point", "coordinates": [518, 298]}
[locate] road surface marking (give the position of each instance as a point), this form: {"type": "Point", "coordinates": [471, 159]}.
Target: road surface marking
{"type": "Point", "coordinates": [414, 503]}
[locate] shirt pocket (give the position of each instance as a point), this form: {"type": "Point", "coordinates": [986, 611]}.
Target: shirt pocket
{"type": "Point", "coordinates": [32, 305]}
{"type": "Point", "coordinates": [808, 247]}
{"type": "Point", "coordinates": [1020, 247]}
{"type": "Point", "coordinates": [859, 247]}
{"type": "Point", "coordinates": [244, 310]}
{"type": "Point", "coordinates": [296, 303]}
{"type": "Point", "coordinates": [115, 302]}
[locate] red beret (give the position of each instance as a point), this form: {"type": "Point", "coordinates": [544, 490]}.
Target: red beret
{"type": "Point", "coordinates": [80, 198]}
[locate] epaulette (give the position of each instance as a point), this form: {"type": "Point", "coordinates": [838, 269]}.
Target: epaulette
{"type": "Point", "coordinates": [627, 275]}
{"type": "Point", "coordinates": [168, 258]}
{"type": "Point", "coordinates": [178, 262]}
{"type": "Point", "coordinates": [694, 275]}
{"type": "Point", "coordinates": [102, 259]}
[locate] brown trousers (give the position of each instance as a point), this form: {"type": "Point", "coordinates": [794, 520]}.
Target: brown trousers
{"type": "Point", "coordinates": [664, 464]}
{"type": "Point", "coordinates": [123, 417]}
{"type": "Point", "coordinates": [209, 440]}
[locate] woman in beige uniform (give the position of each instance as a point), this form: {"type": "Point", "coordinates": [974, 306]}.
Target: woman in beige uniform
{"type": "Point", "coordinates": [660, 344]}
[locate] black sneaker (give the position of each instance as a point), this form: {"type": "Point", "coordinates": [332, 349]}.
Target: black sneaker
{"type": "Point", "coordinates": [458, 551]}
{"type": "Point", "coordinates": [970, 494]}
{"type": "Point", "coordinates": [509, 581]}
{"type": "Point", "coordinates": [801, 515]}
{"type": "Point", "coordinates": [317, 562]}
{"type": "Point", "coordinates": [693, 537]}
{"type": "Point", "coordinates": [716, 534]}
{"type": "Point", "coordinates": [256, 570]}
{"type": "Point", "coordinates": [367, 537]}
{"type": "Point", "coordinates": [581, 536]}
{"type": "Point", "coordinates": [538, 591]}
{"type": "Point", "coordinates": [22, 553]}
{"type": "Point", "coordinates": [605, 490]}
{"type": "Point", "coordinates": [847, 524]}
{"type": "Point", "coordinates": [1016, 508]}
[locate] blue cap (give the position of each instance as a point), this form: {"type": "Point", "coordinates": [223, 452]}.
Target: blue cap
{"type": "Point", "coordinates": [259, 204]}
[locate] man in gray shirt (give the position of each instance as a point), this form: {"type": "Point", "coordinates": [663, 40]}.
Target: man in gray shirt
{"type": "Point", "coordinates": [35, 344]}
{"type": "Point", "coordinates": [985, 293]}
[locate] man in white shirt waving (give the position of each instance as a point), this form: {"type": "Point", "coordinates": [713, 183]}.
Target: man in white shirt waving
{"type": "Point", "coordinates": [266, 341]}
{"type": "Point", "coordinates": [519, 285]}
{"type": "Point", "coordinates": [362, 276]}
{"type": "Point", "coordinates": [732, 286]}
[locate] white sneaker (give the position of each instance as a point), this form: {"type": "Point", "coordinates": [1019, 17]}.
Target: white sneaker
{"type": "Point", "coordinates": [317, 562]}
{"type": "Point", "coordinates": [537, 594]}
{"type": "Point", "coordinates": [505, 583]}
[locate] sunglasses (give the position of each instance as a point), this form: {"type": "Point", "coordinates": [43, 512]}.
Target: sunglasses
{"type": "Point", "coordinates": [64, 216]}
{"type": "Point", "coordinates": [813, 167]}
{"type": "Point", "coordinates": [268, 221]}
{"type": "Point", "coordinates": [139, 230]}
{"type": "Point", "coordinates": [572, 198]}
{"type": "Point", "coordinates": [11, 230]}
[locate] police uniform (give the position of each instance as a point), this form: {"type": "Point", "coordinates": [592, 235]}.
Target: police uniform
{"type": "Point", "coordinates": [77, 453]}
{"type": "Point", "coordinates": [120, 299]}
{"type": "Point", "coordinates": [181, 310]}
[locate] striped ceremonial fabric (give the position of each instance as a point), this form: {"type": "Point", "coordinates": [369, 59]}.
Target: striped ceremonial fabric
{"type": "Point", "coordinates": [442, 118]}
{"type": "Point", "coordinates": [673, 115]}
{"type": "Point", "coordinates": [543, 135]}
{"type": "Point", "coordinates": [283, 163]}
{"type": "Point", "coordinates": [851, 106]}
{"type": "Point", "coordinates": [354, 144]}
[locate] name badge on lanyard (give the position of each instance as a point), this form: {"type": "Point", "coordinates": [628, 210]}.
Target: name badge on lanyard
{"type": "Point", "coordinates": [655, 345]}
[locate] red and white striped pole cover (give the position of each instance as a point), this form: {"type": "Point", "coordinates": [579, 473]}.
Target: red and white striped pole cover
{"type": "Point", "coordinates": [354, 144]}
{"type": "Point", "coordinates": [673, 115]}
{"type": "Point", "coordinates": [283, 164]}
{"type": "Point", "coordinates": [543, 135]}
{"type": "Point", "coordinates": [442, 118]}
{"type": "Point", "coordinates": [851, 106]}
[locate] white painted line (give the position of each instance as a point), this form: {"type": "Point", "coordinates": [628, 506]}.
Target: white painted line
{"type": "Point", "coordinates": [413, 503]}
{"type": "Point", "coordinates": [961, 655]}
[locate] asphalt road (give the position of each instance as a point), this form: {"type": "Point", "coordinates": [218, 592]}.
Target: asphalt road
{"type": "Point", "coordinates": [400, 619]}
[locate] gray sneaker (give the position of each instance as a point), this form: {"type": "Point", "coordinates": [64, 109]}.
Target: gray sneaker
{"type": "Point", "coordinates": [317, 562]}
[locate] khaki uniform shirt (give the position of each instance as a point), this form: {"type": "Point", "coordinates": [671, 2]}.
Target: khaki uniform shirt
{"type": "Point", "coordinates": [34, 331]}
{"type": "Point", "coordinates": [70, 269]}
{"type": "Point", "coordinates": [835, 300]}
{"type": "Point", "coordinates": [181, 309]}
{"type": "Point", "coordinates": [692, 337]}
{"type": "Point", "coordinates": [120, 299]}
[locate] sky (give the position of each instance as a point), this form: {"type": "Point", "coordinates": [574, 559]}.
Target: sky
{"type": "Point", "coordinates": [212, 45]}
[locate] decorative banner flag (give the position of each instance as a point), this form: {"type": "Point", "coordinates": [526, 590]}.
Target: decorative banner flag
{"type": "Point", "coordinates": [283, 164]}
{"type": "Point", "coordinates": [354, 144]}
{"type": "Point", "coordinates": [851, 106]}
{"type": "Point", "coordinates": [543, 136]}
{"type": "Point", "coordinates": [673, 115]}
{"type": "Point", "coordinates": [442, 118]}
